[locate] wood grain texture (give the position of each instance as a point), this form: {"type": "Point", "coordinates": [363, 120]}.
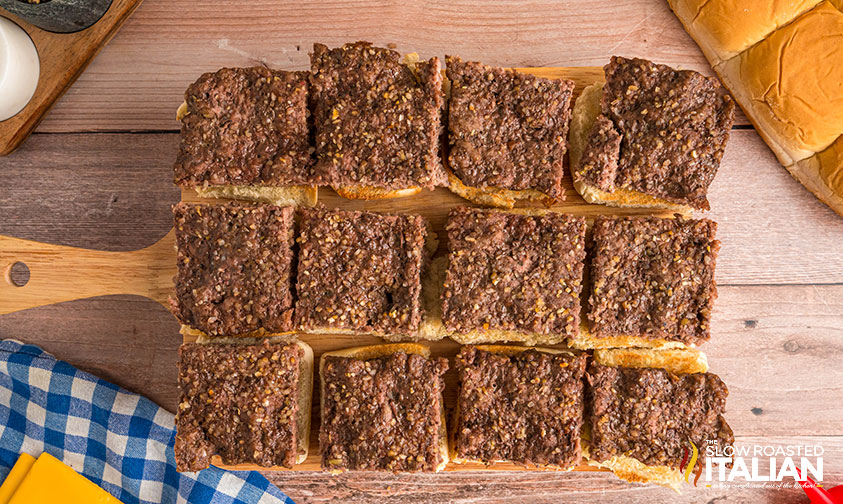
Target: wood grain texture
{"type": "Point", "coordinates": [63, 57]}
{"type": "Point", "coordinates": [139, 80]}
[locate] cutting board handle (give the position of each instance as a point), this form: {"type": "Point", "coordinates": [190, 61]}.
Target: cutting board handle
{"type": "Point", "coordinates": [58, 273]}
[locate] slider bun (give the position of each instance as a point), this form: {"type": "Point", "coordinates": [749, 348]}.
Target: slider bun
{"type": "Point", "coordinates": [305, 389]}
{"type": "Point", "coordinates": [791, 84]}
{"type": "Point", "coordinates": [305, 399]}
{"type": "Point", "coordinates": [724, 28]}
{"type": "Point", "coordinates": [586, 110]}
{"type": "Point", "coordinates": [822, 174]}
{"type": "Point", "coordinates": [374, 351]}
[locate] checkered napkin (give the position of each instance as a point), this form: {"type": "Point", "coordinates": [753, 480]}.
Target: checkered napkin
{"type": "Point", "coordinates": [121, 441]}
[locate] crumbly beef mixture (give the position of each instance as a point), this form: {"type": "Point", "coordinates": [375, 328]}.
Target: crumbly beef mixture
{"type": "Point", "coordinates": [382, 414]}
{"type": "Point", "coordinates": [245, 126]}
{"type": "Point", "coordinates": [599, 164]}
{"type": "Point", "coordinates": [238, 401]}
{"type": "Point", "coordinates": [507, 129]}
{"type": "Point", "coordinates": [513, 272]}
{"type": "Point", "coordinates": [525, 408]}
{"type": "Point", "coordinates": [653, 277]}
{"type": "Point", "coordinates": [360, 271]}
{"type": "Point", "coordinates": [651, 414]}
{"type": "Point", "coordinates": [377, 120]}
{"type": "Point", "coordinates": [234, 265]}
{"type": "Point", "coordinates": [673, 127]}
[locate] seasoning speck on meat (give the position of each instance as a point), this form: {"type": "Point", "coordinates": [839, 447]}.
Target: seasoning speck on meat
{"type": "Point", "coordinates": [513, 272]}
{"type": "Point", "coordinates": [526, 408]}
{"type": "Point", "coordinates": [653, 278]}
{"type": "Point", "coordinates": [234, 265]}
{"type": "Point", "coordinates": [382, 414]}
{"type": "Point", "coordinates": [377, 120]}
{"type": "Point", "coordinates": [245, 126]}
{"type": "Point", "coordinates": [652, 414]}
{"type": "Point", "coordinates": [238, 401]}
{"type": "Point", "coordinates": [360, 271]}
{"type": "Point", "coordinates": [661, 132]}
{"type": "Point", "coordinates": [507, 129]}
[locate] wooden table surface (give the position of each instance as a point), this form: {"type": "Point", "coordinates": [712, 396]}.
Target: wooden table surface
{"type": "Point", "coordinates": [97, 174]}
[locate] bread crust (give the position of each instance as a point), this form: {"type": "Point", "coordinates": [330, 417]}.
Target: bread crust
{"type": "Point", "coordinates": [374, 351]}
{"type": "Point", "coordinates": [259, 334]}
{"type": "Point", "coordinates": [585, 341]}
{"type": "Point", "coordinates": [374, 193]}
{"type": "Point", "coordinates": [277, 195]}
{"type": "Point", "coordinates": [494, 196]}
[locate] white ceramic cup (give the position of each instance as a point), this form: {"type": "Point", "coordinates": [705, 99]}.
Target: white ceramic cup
{"type": "Point", "coordinates": [19, 68]}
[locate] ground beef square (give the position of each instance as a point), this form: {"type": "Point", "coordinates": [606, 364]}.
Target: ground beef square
{"type": "Point", "coordinates": [234, 264]}
{"type": "Point", "coordinates": [245, 126]}
{"type": "Point", "coordinates": [661, 132]}
{"type": "Point", "coordinates": [513, 272]}
{"type": "Point", "coordinates": [653, 278]}
{"type": "Point", "coordinates": [507, 129]}
{"type": "Point", "coordinates": [240, 401]}
{"type": "Point", "coordinates": [651, 414]}
{"type": "Point", "coordinates": [377, 121]}
{"type": "Point", "coordinates": [383, 413]}
{"type": "Point", "coordinates": [526, 407]}
{"type": "Point", "coordinates": [360, 272]}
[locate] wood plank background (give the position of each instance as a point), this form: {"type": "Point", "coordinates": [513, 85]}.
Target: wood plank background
{"type": "Point", "coordinates": [98, 175]}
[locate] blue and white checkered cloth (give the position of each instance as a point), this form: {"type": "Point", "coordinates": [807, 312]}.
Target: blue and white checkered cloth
{"type": "Point", "coordinates": [119, 440]}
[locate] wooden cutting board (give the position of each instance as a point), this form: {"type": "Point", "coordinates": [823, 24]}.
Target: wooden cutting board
{"type": "Point", "coordinates": [63, 57]}
{"type": "Point", "coordinates": [59, 273]}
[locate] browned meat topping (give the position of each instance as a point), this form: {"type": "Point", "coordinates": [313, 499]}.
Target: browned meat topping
{"type": "Point", "coordinates": [673, 126]}
{"type": "Point", "coordinates": [513, 272]}
{"type": "Point", "coordinates": [233, 268]}
{"type": "Point", "coordinates": [382, 413]}
{"type": "Point", "coordinates": [360, 271]}
{"type": "Point", "coordinates": [507, 129]}
{"type": "Point", "coordinates": [245, 126]}
{"type": "Point", "coordinates": [525, 408]}
{"type": "Point", "coordinates": [599, 164]}
{"type": "Point", "coordinates": [651, 414]}
{"type": "Point", "coordinates": [239, 402]}
{"type": "Point", "coordinates": [377, 121]}
{"type": "Point", "coordinates": [653, 278]}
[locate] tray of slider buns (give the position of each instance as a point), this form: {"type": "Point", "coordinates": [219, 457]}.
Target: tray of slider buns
{"type": "Point", "coordinates": [505, 269]}
{"type": "Point", "coordinates": [388, 263]}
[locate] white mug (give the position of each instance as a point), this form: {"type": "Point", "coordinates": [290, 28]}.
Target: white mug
{"type": "Point", "coordinates": [19, 68]}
